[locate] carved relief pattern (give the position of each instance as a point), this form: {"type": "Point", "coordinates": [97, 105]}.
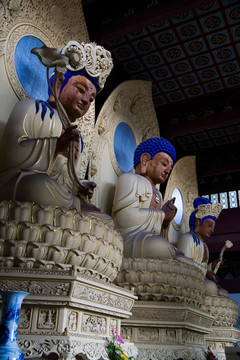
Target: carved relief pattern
{"type": "Point", "coordinates": [165, 315]}
{"type": "Point", "coordinates": [190, 337]}
{"type": "Point", "coordinates": [72, 321]}
{"type": "Point", "coordinates": [90, 294]}
{"type": "Point", "coordinates": [37, 287]}
{"type": "Point", "coordinates": [148, 334]}
{"type": "Point", "coordinates": [126, 332]}
{"type": "Point", "coordinates": [47, 318]}
{"type": "Point", "coordinates": [170, 336]}
{"type": "Point", "coordinates": [169, 354]}
{"type": "Point", "coordinates": [227, 334]}
{"type": "Point", "coordinates": [92, 350]}
{"type": "Point", "coordinates": [95, 324]}
{"type": "Point", "coordinates": [57, 19]}
{"type": "Point", "coordinates": [24, 318]}
{"type": "Point", "coordinates": [68, 349]}
{"type": "Point", "coordinates": [113, 324]}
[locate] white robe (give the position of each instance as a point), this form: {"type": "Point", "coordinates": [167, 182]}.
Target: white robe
{"type": "Point", "coordinates": [27, 157]}
{"type": "Point", "coordinates": [193, 250]}
{"type": "Point", "coordinates": [139, 225]}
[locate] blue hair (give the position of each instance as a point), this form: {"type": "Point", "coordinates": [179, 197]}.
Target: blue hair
{"type": "Point", "coordinates": [153, 146]}
{"type": "Point", "coordinates": [68, 74]}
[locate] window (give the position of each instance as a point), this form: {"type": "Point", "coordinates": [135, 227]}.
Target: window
{"type": "Point", "coordinates": [224, 200]}
{"type": "Point", "coordinates": [229, 200]}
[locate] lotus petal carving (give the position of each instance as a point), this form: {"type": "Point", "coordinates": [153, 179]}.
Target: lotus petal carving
{"type": "Point", "coordinates": [43, 214]}
{"type": "Point", "coordinates": [8, 229]}
{"type": "Point", "coordinates": [37, 250]}
{"type": "Point", "coordinates": [51, 235]}
{"type": "Point", "coordinates": [57, 254]}
{"type": "Point", "coordinates": [21, 211]}
{"type": "Point", "coordinates": [71, 239]}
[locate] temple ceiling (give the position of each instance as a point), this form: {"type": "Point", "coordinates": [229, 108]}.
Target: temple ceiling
{"type": "Point", "coordinates": [190, 52]}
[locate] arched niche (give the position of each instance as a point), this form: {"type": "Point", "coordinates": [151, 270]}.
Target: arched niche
{"type": "Point", "coordinates": [51, 22]}
{"type": "Point", "coordinates": [30, 71]}
{"type": "Point", "coordinates": [182, 184]}
{"type": "Point", "coordinates": [26, 74]}
{"type": "Point", "coordinates": [127, 118]}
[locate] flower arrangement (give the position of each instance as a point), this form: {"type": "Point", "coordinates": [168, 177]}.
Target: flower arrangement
{"type": "Point", "coordinates": [114, 349]}
{"type": "Point", "coordinates": [210, 355]}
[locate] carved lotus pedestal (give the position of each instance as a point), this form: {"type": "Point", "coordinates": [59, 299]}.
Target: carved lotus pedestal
{"type": "Point", "coordinates": [66, 261]}
{"type": "Point", "coordinates": [223, 334]}
{"type": "Point", "coordinates": [172, 318]}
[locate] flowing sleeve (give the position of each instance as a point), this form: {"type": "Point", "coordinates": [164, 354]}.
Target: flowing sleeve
{"type": "Point", "coordinates": [30, 137]}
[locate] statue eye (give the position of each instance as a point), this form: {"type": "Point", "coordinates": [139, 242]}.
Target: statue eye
{"type": "Point", "coordinates": [81, 89]}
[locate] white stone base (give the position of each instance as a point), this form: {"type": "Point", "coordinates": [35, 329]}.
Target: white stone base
{"type": "Point", "coordinates": [67, 315]}
{"type": "Point", "coordinates": [221, 340]}
{"type": "Point", "coordinates": [167, 331]}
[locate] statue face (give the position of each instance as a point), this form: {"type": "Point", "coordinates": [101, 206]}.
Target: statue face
{"type": "Point", "coordinates": [159, 168]}
{"type": "Point", "coordinates": [206, 229]}
{"type": "Point", "coordinates": [77, 95]}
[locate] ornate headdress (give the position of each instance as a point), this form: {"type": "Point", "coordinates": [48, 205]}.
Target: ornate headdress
{"type": "Point", "coordinates": [94, 59]}
{"type": "Point", "coordinates": [204, 209]}
{"type": "Point", "coordinates": [153, 146]}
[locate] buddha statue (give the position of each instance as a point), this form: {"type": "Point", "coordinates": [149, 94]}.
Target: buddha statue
{"type": "Point", "coordinates": [202, 223]}
{"type": "Point", "coordinates": [40, 136]}
{"type": "Point", "coordinates": [138, 212]}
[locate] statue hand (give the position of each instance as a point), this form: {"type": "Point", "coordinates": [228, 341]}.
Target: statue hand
{"type": "Point", "coordinates": [85, 206]}
{"type": "Point", "coordinates": [88, 188]}
{"type": "Point", "coordinates": [178, 252]}
{"type": "Point", "coordinates": [170, 211]}
{"type": "Point", "coordinates": [211, 276]}
{"type": "Point", "coordinates": [215, 262]}
{"type": "Point", "coordinates": [70, 134]}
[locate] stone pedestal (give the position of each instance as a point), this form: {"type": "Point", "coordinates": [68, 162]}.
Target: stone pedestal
{"type": "Point", "coordinates": [67, 314]}
{"type": "Point", "coordinates": [221, 340]}
{"type": "Point", "coordinates": [223, 334]}
{"type": "Point", "coordinates": [172, 317]}
{"type": "Point", "coordinates": [166, 331]}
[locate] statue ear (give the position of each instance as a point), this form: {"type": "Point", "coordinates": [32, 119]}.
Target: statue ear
{"type": "Point", "coordinates": [144, 159]}
{"type": "Point", "coordinates": [197, 225]}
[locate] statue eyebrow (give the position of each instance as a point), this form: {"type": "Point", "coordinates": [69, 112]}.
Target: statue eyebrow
{"type": "Point", "coordinates": [79, 82]}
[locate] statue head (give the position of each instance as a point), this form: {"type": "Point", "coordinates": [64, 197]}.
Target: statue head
{"type": "Point", "coordinates": [204, 209]}
{"type": "Point", "coordinates": [89, 60]}
{"type": "Point", "coordinates": [153, 146]}
{"type": "Point", "coordinates": [81, 72]}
